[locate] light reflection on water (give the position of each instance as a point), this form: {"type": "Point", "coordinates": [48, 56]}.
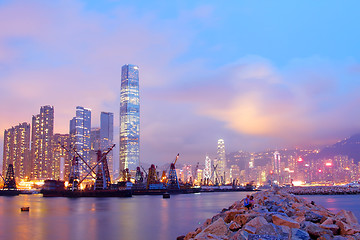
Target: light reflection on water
{"type": "Point", "coordinates": [140, 217]}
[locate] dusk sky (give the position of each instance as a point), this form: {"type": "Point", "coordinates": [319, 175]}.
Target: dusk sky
{"type": "Point", "coordinates": [258, 74]}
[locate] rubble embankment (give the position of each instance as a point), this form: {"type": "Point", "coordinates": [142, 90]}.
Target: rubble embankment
{"type": "Point", "coordinates": [278, 215]}
{"type": "Point", "coordinates": [322, 190]}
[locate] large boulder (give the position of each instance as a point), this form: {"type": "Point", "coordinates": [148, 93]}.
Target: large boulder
{"type": "Point", "coordinates": [348, 229]}
{"type": "Point", "coordinates": [332, 227]}
{"type": "Point", "coordinates": [282, 232]}
{"type": "Point", "coordinates": [349, 216]}
{"type": "Point", "coordinates": [298, 234]}
{"type": "Point", "coordinates": [285, 221]}
{"type": "Point", "coordinates": [257, 222]}
{"type": "Point", "coordinates": [230, 215]}
{"type": "Point", "coordinates": [313, 217]}
{"type": "Point", "coordinates": [242, 219]}
{"type": "Point", "coordinates": [218, 228]}
{"type": "Point", "coordinates": [328, 221]}
{"type": "Point", "coordinates": [316, 231]}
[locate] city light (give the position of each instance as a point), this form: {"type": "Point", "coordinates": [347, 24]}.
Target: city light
{"type": "Point", "coordinates": [328, 164]}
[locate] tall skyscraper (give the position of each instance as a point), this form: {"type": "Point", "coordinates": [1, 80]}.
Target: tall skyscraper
{"type": "Point", "coordinates": [42, 143]}
{"type": "Point", "coordinates": [62, 158]}
{"type": "Point", "coordinates": [80, 127]}
{"type": "Point", "coordinates": [107, 136]}
{"type": "Point", "coordinates": [129, 155]}
{"type": "Point", "coordinates": [207, 170]}
{"type": "Point", "coordinates": [221, 160]}
{"type": "Point", "coordinates": [17, 150]}
{"type": "Point", "coordinates": [276, 162]}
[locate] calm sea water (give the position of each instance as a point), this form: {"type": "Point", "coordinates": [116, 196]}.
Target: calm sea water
{"type": "Point", "coordinates": [139, 217]}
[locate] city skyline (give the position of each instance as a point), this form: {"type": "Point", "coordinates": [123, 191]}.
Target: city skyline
{"type": "Point", "coordinates": [257, 78]}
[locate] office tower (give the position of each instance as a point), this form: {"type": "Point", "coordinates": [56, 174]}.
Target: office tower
{"type": "Point", "coordinates": [221, 160]}
{"type": "Point", "coordinates": [17, 150]}
{"type": "Point", "coordinates": [207, 170]}
{"type": "Point", "coordinates": [95, 142]}
{"type": "Point", "coordinates": [107, 136]}
{"type": "Point", "coordinates": [42, 143]}
{"type": "Point", "coordinates": [61, 156]}
{"type": "Point", "coordinates": [80, 127]}
{"type": "Point", "coordinates": [129, 150]}
{"type": "Point", "coordinates": [276, 163]}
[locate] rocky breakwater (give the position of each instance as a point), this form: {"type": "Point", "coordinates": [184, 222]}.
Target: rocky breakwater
{"type": "Point", "coordinates": [322, 190]}
{"type": "Point", "coordinates": [277, 215]}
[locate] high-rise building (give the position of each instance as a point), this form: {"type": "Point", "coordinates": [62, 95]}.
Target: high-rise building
{"type": "Point", "coordinates": [107, 136]}
{"type": "Point", "coordinates": [42, 143]}
{"type": "Point", "coordinates": [80, 127]}
{"type": "Point", "coordinates": [94, 145]}
{"type": "Point", "coordinates": [17, 150]}
{"type": "Point", "coordinates": [207, 170]}
{"type": "Point", "coordinates": [61, 156]}
{"type": "Point", "coordinates": [221, 160]}
{"type": "Point", "coordinates": [129, 150]}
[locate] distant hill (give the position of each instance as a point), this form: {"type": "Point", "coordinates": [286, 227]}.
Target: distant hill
{"type": "Point", "coordinates": [349, 146]}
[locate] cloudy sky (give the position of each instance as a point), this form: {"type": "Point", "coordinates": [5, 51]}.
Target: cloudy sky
{"type": "Point", "coordinates": [259, 74]}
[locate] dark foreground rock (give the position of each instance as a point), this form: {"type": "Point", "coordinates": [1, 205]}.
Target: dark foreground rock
{"type": "Point", "coordinates": [278, 215]}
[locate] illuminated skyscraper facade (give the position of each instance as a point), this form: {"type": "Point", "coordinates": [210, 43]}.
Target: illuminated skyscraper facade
{"type": "Point", "coordinates": [107, 136]}
{"type": "Point", "coordinates": [129, 155]}
{"type": "Point", "coordinates": [42, 166]}
{"type": "Point", "coordinates": [17, 150]}
{"type": "Point", "coordinates": [80, 127]}
{"type": "Point", "coordinates": [221, 160]}
{"type": "Point", "coordinates": [207, 170]}
{"type": "Point", "coordinates": [276, 162]}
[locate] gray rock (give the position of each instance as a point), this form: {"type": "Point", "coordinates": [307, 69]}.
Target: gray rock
{"type": "Point", "coordinates": [315, 231]}
{"type": "Point", "coordinates": [268, 216]}
{"type": "Point", "coordinates": [313, 217]}
{"type": "Point", "coordinates": [298, 234]}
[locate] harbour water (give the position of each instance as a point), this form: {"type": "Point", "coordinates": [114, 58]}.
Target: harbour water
{"type": "Point", "coordinates": [139, 217]}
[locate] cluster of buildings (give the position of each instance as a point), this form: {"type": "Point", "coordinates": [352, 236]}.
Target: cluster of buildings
{"type": "Point", "coordinates": [282, 167]}
{"type": "Point", "coordinates": [37, 153]}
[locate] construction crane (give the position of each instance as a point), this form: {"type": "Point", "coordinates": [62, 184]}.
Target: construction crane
{"type": "Point", "coordinates": [214, 175]}
{"type": "Point", "coordinates": [139, 176]}
{"type": "Point", "coordinates": [173, 182]}
{"type": "Point", "coordinates": [9, 181]}
{"type": "Point", "coordinates": [152, 176]}
{"type": "Point", "coordinates": [102, 164]}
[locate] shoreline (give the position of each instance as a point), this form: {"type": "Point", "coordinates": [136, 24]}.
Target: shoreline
{"type": "Point", "coordinates": [277, 215]}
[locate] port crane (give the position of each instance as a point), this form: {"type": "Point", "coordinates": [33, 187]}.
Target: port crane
{"type": "Point", "coordinates": [9, 181]}
{"type": "Point", "coordinates": [102, 176]}
{"type": "Point", "coordinates": [214, 175]}
{"type": "Point", "coordinates": [172, 182]}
